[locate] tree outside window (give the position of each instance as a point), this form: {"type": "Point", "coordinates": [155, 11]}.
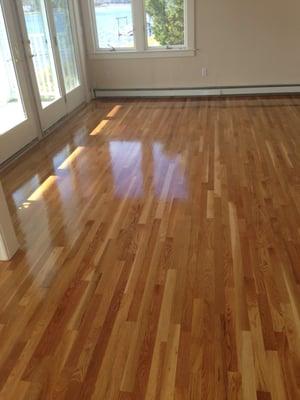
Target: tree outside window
{"type": "Point", "coordinates": [166, 21]}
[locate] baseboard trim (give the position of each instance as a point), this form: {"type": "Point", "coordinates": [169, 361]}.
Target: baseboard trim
{"type": "Point", "coordinates": [204, 91]}
{"type": "Point", "coordinates": [8, 163]}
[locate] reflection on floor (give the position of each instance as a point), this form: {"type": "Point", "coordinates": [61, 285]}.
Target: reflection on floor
{"type": "Point", "coordinates": [160, 254]}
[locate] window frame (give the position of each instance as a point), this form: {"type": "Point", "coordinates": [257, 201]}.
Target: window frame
{"type": "Point", "coordinates": [140, 48]}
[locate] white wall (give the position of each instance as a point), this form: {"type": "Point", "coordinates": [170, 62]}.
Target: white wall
{"type": "Point", "coordinates": [241, 42]}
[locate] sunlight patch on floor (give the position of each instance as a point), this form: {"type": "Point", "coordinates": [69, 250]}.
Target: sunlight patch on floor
{"type": "Point", "coordinates": [68, 161]}
{"type": "Point", "coordinates": [99, 127]}
{"type": "Point", "coordinates": [38, 193]}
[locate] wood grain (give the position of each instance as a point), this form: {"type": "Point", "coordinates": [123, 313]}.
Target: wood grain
{"type": "Point", "coordinates": [160, 248]}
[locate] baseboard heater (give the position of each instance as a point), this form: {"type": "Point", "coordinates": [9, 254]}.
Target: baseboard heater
{"type": "Point", "coordinates": [201, 91]}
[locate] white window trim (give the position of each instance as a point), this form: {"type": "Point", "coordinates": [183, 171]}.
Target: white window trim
{"type": "Point", "coordinates": [140, 49]}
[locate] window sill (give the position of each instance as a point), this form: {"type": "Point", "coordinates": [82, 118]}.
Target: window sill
{"type": "Point", "coordinates": [167, 53]}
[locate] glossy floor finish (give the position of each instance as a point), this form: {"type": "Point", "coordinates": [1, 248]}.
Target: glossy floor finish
{"type": "Point", "coordinates": [160, 255]}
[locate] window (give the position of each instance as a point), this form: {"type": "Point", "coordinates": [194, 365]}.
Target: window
{"type": "Point", "coordinates": [114, 24]}
{"type": "Point", "coordinates": [140, 27]}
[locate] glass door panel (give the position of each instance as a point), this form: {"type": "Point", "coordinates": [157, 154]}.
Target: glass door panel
{"type": "Point", "coordinates": [18, 125]}
{"type": "Point", "coordinates": [65, 42]}
{"type": "Point", "coordinates": [52, 51]}
{"type": "Point", "coordinates": [12, 111]}
{"type": "Point", "coordinates": [37, 27]}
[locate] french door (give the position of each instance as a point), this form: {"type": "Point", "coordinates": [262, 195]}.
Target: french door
{"type": "Point", "coordinates": [18, 125]}
{"type": "Point", "coordinates": [52, 49]}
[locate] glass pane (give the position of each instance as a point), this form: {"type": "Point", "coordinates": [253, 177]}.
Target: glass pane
{"type": "Point", "coordinates": [114, 23]}
{"type": "Point", "coordinates": [41, 50]}
{"type": "Point", "coordinates": [65, 43]}
{"type": "Point", "coordinates": [165, 22]}
{"type": "Point", "coordinates": [12, 112]}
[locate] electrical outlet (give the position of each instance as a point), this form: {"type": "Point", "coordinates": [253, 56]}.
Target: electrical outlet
{"type": "Point", "coordinates": [204, 72]}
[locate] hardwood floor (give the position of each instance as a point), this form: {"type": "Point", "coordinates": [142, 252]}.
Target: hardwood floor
{"type": "Point", "coordinates": [160, 254]}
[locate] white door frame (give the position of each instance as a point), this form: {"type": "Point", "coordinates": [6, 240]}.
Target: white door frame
{"type": "Point", "coordinates": [56, 110]}
{"type": "Point", "coordinates": [19, 136]}
{"type": "Point", "coordinates": [82, 48]}
{"type": "Point", "coordinates": [68, 102]}
{"type": "Point", "coordinates": [32, 104]}
{"type": "Point", "coordinates": [76, 96]}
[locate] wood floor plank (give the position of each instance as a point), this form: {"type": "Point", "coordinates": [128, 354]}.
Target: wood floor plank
{"type": "Point", "coordinates": [159, 260]}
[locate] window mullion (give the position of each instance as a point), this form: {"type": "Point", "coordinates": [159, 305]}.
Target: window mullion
{"type": "Point", "coordinates": [139, 24]}
{"type": "Point", "coordinates": [189, 24]}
